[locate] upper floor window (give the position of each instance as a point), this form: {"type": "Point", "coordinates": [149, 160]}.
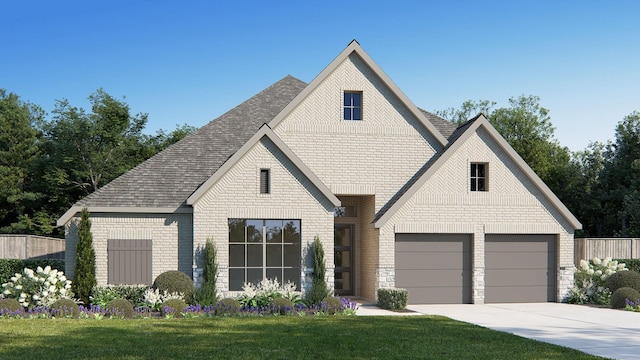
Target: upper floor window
{"type": "Point", "coordinates": [265, 181]}
{"type": "Point", "coordinates": [353, 105]}
{"type": "Point", "coordinates": [479, 176]}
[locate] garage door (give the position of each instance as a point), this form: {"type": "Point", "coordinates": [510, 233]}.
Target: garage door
{"type": "Point", "coordinates": [434, 268]}
{"type": "Point", "coordinates": [520, 268]}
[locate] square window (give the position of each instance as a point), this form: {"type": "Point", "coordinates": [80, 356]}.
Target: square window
{"type": "Point", "coordinates": [479, 176]}
{"type": "Point", "coordinates": [352, 105]}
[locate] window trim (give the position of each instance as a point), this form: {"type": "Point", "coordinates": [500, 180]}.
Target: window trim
{"type": "Point", "coordinates": [351, 107]}
{"type": "Point", "coordinates": [264, 245]}
{"type": "Point", "coordinates": [476, 179]}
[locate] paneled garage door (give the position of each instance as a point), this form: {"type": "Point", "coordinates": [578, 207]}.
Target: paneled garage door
{"type": "Point", "coordinates": [520, 268]}
{"type": "Point", "coordinates": [434, 268]}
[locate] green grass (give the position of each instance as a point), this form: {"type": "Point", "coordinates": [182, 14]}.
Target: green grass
{"type": "Point", "coordinates": [330, 337]}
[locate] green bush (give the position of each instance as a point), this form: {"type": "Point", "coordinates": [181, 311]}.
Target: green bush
{"type": "Point", "coordinates": [65, 308]}
{"type": "Point", "coordinates": [208, 293]}
{"type": "Point", "coordinates": [10, 304]}
{"type": "Point", "coordinates": [9, 267]}
{"type": "Point", "coordinates": [85, 273]}
{"type": "Point", "coordinates": [175, 281]}
{"type": "Point", "coordinates": [173, 306]}
{"type": "Point", "coordinates": [632, 264]}
{"type": "Point", "coordinates": [101, 295]}
{"type": "Point", "coordinates": [282, 305]}
{"type": "Point", "coordinates": [331, 305]}
{"type": "Point", "coordinates": [227, 306]}
{"type": "Point", "coordinates": [620, 296]}
{"type": "Point", "coordinates": [623, 279]}
{"type": "Point", "coordinates": [319, 289]}
{"type": "Point", "coordinates": [393, 299]}
{"type": "Point", "coordinates": [119, 307]}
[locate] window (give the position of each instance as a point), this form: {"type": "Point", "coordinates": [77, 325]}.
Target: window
{"type": "Point", "coordinates": [265, 181]}
{"type": "Point", "coordinates": [353, 105]}
{"type": "Point", "coordinates": [478, 177]}
{"type": "Point", "coordinates": [263, 249]}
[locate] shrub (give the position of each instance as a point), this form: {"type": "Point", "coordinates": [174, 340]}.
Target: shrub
{"type": "Point", "coordinates": [175, 282]}
{"type": "Point", "coordinates": [228, 306]}
{"type": "Point", "coordinates": [623, 279]}
{"type": "Point", "coordinates": [589, 281]}
{"type": "Point", "coordinates": [208, 293]}
{"type": "Point", "coordinates": [85, 274]}
{"type": "Point", "coordinates": [262, 294]}
{"type": "Point", "coordinates": [101, 295]}
{"type": "Point", "coordinates": [331, 305]}
{"type": "Point", "coordinates": [154, 298]}
{"type": "Point", "coordinates": [620, 296]}
{"type": "Point", "coordinates": [65, 308]}
{"type": "Point", "coordinates": [282, 305]}
{"type": "Point", "coordinates": [9, 267]}
{"type": "Point", "coordinates": [632, 264]}
{"type": "Point", "coordinates": [393, 299]}
{"type": "Point", "coordinates": [173, 306]}
{"type": "Point", "coordinates": [37, 288]}
{"type": "Point", "coordinates": [119, 307]}
{"type": "Point", "coordinates": [10, 304]}
{"type": "Point", "coordinates": [319, 289]}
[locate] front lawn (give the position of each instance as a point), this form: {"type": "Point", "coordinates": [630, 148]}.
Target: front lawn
{"type": "Point", "coordinates": [273, 337]}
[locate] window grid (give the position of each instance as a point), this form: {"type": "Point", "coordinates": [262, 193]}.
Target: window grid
{"type": "Point", "coordinates": [260, 249]}
{"type": "Point", "coordinates": [352, 105]}
{"type": "Point", "coordinates": [478, 177]}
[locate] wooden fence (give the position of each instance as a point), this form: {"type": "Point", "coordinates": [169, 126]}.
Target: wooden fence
{"type": "Point", "coordinates": [31, 247]}
{"type": "Point", "coordinates": [617, 248]}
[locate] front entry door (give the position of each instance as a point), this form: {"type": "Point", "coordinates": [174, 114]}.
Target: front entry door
{"type": "Point", "coordinates": [343, 259]}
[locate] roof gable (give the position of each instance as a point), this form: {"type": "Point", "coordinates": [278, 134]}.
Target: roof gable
{"type": "Point", "coordinates": [265, 131]}
{"type": "Point", "coordinates": [354, 48]}
{"type": "Point", "coordinates": [456, 140]}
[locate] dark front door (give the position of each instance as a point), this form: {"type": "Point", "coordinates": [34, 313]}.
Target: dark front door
{"type": "Point", "coordinates": [343, 258]}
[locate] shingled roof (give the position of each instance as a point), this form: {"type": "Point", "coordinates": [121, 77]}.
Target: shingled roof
{"type": "Point", "coordinates": [167, 179]}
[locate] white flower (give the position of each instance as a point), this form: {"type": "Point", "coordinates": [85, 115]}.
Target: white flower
{"type": "Point", "coordinates": [596, 261]}
{"type": "Point", "coordinates": [36, 297]}
{"type": "Point", "coordinates": [18, 287]}
{"type": "Point", "coordinates": [47, 270]}
{"type": "Point", "coordinates": [52, 289]}
{"type": "Point", "coordinates": [598, 273]}
{"type": "Point", "coordinates": [603, 277]}
{"type": "Point", "coordinates": [62, 278]}
{"type": "Point", "coordinates": [7, 292]}
{"type": "Point", "coordinates": [14, 278]}
{"type": "Point", "coordinates": [39, 269]}
{"type": "Point", "coordinates": [23, 296]}
{"type": "Point", "coordinates": [25, 304]}
{"type": "Point", "coordinates": [590, 271]}
{"type": "Point", "coordinates": [584, 265]}
{"type": "Point", "coordinates": [609, 272]}
{"type": "Point", "coordinates": [44, 293]}
{"type": "Point", "coordinates": [621, 266]}
{"type": "Point", "coordinates": [67, 286]}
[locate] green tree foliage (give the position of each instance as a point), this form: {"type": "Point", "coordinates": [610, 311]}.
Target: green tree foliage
{"type": "Point", "coordinates": [19, 150]}
{"type": "Point", "coordinates": [319, 289]}
{"type": "Point", "coordinates": [85, 274]}
{"type": "Point", "coordinates": [620, 179]}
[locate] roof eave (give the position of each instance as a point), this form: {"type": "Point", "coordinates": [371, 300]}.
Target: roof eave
{"type": "Point", "coordinates": [64, 219]}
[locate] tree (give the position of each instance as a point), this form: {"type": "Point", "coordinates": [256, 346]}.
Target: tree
{"type": "Point", "coordinates": [85, 274]}
{"type": "Point", "coordinates": [19, 149]}
{"type": "Point", "coordinates": [467, 110]}
{"type": "Point", "coordinates": [621, 180]}
{"type": "Point", "coordinates": [92, 149]}
{"type": "Point", "coordinates": [319, 289]}
{"type": "Point", "coordinates": [208, 293]}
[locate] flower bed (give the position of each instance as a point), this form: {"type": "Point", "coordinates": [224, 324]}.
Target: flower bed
{"type": "Point", "coordinates": [347, 307]}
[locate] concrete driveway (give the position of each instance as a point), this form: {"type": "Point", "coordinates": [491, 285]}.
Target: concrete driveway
{"type": "Point", "coordinates": [598, 331]}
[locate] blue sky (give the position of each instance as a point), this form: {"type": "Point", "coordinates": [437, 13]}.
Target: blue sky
{"type": "Point", "coordinates": [191, 61]}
